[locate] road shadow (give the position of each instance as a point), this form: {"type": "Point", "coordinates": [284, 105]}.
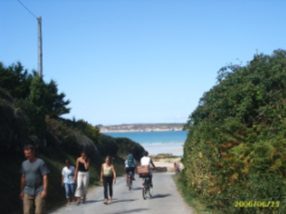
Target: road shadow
{"type": "Point", "coordinates": [92, 201]}
{"type": "Point", "coordinates": [132, 211]}
{"type": "Point", "coordinates": [161, 169]}
{"type": "Point", "coordinates": [114, 201]}
{"type": "Point", "coordinates": [136, 188]}
{"type": "Point", "coordinates": [160, 196]}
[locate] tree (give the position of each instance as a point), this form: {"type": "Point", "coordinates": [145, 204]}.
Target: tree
{"type": "Point", "coordinates": [55, 103]}
{"type": "Point", "coordinates": [16, 80]}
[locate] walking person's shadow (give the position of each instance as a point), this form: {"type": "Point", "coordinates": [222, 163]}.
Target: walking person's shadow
{"type": "Point", "coordinates": [114, 201]}
{"type": "Point", "coordinates": [161, 195]}
{"type": "Point", "coordinates": [93, 201]}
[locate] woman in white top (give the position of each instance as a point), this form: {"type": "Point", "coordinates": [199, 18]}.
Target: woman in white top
{"type": "Point", "coordinates": [68, 181]}
{"type": "Point", "coordinates": [147, 161]}
{"type": "Point", "coordinates": [108, 177]}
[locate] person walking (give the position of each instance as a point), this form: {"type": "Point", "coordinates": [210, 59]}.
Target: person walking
{"type": "Point", "coordinates": [34, 182]}
{"type": "Point", "coordinates": [82, 177]}
{"type": "Point", "coordinates": [68, 181]}
{"type": "Point", "coordinates": [108, 177]}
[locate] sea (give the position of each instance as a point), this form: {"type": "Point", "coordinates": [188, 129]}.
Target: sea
{"type": "Point", "coordinates": [158, 142]}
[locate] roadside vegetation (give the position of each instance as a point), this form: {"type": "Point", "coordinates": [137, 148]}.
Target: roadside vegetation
{"type": "Point", "coordinates": [31, 112]}
{"type": "Point", "coordinates": [198, 205]}
{"type": "Point", "coordinates": [236, 146]}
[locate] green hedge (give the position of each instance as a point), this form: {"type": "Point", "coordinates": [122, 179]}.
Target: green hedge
{"type": "Point", "coordinates": [236, 147]}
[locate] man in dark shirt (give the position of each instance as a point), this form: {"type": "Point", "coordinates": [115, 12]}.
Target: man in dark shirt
{"type": "Point", "coordinates": [34, 182]}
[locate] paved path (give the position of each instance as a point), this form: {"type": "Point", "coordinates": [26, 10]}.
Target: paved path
{"type": "Point", "coordinates": [166, 199]}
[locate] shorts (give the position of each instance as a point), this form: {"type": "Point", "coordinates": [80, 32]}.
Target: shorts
{"type": "Point", "coordinates": [130, 169]}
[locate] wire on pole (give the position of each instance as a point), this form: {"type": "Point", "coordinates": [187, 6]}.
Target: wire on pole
{"type": "Point", "coordinates": [40, 48]}
{"type": "Point", "coordinates": [27, 9]}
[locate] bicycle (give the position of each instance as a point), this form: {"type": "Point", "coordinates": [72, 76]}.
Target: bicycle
{"type": "Point", "coordinates": [129, 180]}
{"type": "Point", "coordinates": [146, 191]}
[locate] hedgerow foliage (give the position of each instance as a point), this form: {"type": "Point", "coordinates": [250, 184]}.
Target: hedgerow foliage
{"type": "Point", "coordinates": [236, 146]}
{"type": "Point", "coordinates": [31, 112]}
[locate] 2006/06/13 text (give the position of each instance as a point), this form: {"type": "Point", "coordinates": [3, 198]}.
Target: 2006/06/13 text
{"type": "Point", "coordinates": [262, 204]}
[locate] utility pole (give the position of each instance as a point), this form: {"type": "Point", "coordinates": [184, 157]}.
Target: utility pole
{"type": "Point", "coordinates": [40, 42]}
{"type": "Point", "coordinates": [40, 47]}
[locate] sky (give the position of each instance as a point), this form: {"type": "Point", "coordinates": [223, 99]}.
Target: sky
{"type": "Point", "coordinates": [138, 61]}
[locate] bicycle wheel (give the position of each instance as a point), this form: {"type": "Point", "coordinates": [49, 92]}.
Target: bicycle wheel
{"type": "Point", "coordinates": [144, 193]}
{"type": "Point", "coordinates": [148, 187]}
{"type": "Point", "coordinates": [129, 182]}
{"type": "Point", "coordinates": [149, 192]}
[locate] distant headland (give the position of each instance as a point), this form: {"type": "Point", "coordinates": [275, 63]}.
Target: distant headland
{"type": "Point", "coordinates": [145, 127]}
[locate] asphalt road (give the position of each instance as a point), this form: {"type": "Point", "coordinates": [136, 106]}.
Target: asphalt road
{"type": "Point", "coordinates": [165, 200]}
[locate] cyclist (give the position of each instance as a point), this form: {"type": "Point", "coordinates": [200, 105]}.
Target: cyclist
{"type": "Point", "coordinates": [130, 164]}
{"type": "Point", "coordinates": [147, 161]}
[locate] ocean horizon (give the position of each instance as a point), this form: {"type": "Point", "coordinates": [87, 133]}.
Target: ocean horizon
{"type": "Point", "coordinates": [158, 142]}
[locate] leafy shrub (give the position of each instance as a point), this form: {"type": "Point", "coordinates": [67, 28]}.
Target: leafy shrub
{"type": "Point", "coordinates": [236, 144]}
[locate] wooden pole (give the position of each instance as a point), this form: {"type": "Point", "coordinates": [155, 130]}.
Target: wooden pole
{"type": "Point", "coordinates": [40, 47]}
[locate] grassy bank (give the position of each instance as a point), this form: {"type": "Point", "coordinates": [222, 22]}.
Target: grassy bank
{"type": "Point", "coordinates": [10, 182]}
{"type": "Point", "coordinates": [191, 199]}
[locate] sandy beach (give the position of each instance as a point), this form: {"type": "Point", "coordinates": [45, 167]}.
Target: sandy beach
{"type": "Point", "coordinates": [167, 162]}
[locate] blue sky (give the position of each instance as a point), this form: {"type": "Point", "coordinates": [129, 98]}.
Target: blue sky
{"type": "Point", "coordinates": [138, 61]}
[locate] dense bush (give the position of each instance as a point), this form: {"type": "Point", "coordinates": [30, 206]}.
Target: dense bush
{"type": "Point", "coordinates": [126, 146]}
{"type": "Point", "coordinates": [13, 124]}
{"type": "Point", "coordinates": [30, 112]}
{"type": "Point", "coordinates": [236, 146]}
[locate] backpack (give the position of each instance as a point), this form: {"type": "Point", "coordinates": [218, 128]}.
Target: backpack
{"type": "Point", "coordinates": [130, 161]}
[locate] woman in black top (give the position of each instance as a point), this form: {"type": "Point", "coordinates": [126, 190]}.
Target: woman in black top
{"type": "Point", "coordinates": [82, 177]}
